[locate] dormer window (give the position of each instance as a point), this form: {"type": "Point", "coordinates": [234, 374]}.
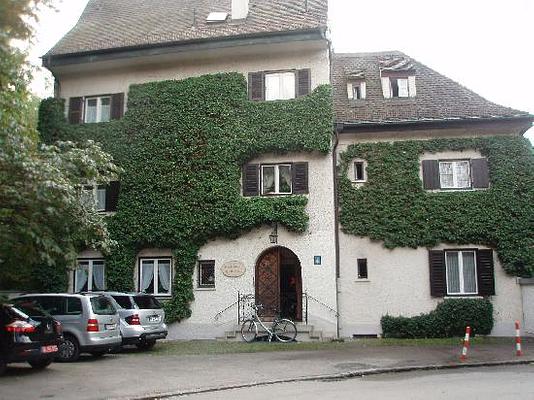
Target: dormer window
{"type": "Point", "coordinates": [357, 90]}
{"type": "Point", "coordinates": [398, 86]}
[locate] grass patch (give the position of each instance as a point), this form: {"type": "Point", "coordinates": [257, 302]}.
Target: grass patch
{"type": "Point", "coordinates": [204, 347]}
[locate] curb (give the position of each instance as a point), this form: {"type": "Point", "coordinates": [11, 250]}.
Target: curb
{"type": "Point", "coordinates": [333, 377]}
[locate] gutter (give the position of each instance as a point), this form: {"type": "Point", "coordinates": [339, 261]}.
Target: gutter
{"type": "Point", "coordinates": [50, 61]}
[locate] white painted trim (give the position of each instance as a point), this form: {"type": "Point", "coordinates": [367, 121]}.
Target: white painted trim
{"type": "Point", "coordinates": [461, 272]}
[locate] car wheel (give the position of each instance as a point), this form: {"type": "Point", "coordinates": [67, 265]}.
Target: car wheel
{"type": "Point", "coordinates": [146, 345]}
{"type": "Point", "coordinates": [69, 349]}
{"type": "Point", "coordinates": [40, 364]}
{"type": "Point", "coordinates": [98, 353]}
{"type": "Point", "coordinates": [2, 367]}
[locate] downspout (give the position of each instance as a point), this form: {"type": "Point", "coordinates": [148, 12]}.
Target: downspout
{"type": "Point", "coordinates": [336, 223]}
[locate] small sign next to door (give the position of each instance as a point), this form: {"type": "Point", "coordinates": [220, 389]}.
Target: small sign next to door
{"type": "Point", "coordinates": [317, 260]}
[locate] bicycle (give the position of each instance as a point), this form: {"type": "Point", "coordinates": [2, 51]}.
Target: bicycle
{"type": "Point", "coordinates": [283, 329]}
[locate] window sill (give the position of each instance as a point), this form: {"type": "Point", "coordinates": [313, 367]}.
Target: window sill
{"type": "Point", "coordinates": [463, 296]}
{"type": "Point", "coordinates": [362, 280]}
{"type": "Point", "coordinates": [456, 190]}
{"type": "Point", "coordinates": [205, 289]}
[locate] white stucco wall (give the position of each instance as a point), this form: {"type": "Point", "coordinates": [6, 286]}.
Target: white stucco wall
{"type": "Point", "coordinates": [527, 291]}
{"type": "Point", "coordinates": [318, 240]}
{"type": "Point", "coordinates": [116, 77]}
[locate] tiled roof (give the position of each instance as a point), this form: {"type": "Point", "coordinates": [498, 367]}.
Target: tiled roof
{"type": "Point", "coordinates": [438, 97]}
{"type": "Point", "coordinates": [111, 24]}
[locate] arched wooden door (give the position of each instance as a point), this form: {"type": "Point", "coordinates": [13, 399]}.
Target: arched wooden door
{"type": "Point", "coordinates": [279, 284]}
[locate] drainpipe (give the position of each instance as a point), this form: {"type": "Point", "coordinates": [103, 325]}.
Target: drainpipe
{"type": "Point", "coordinates": [336, 221]}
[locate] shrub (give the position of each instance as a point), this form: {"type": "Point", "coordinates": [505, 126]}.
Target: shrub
{"type": "Point", "coordinates": [449, 319]}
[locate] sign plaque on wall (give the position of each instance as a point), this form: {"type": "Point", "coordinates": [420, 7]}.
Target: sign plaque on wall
{"type": "Point", "coordinates": [233, 269]}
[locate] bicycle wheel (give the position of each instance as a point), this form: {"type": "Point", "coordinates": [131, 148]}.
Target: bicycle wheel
{"type": "Point", "coordinates": [249, 330]}
{"type": "Point", "coordinates": [285, 330]}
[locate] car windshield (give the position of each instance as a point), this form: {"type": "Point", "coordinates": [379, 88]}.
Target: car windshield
{"type": "Point", "coordinates": [147, 302]}
{"type": "Point", "coordinates": [102, 306]}
{"type": "Point", "coordinates": [123, 301]}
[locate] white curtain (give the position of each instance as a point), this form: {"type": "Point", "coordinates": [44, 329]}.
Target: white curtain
{"type": "Point", "coordinates": [284, 179]}
{"type": "Point", "coordinates": [147, 274]}
{"type": "Point", "coordinates": [268, 179]}
{"type": "Point", "coordinates": [453, 272]}
{"type": "Point", "coordinates": [469, 272]}
{"type": "Point", "coordinates": [105, 109]}
{"type": "Point", "coordinates": [386, 87]}
{"type": "Point", "coordinates": [403, 87]}
{"type": "Point", "coordinates": [90, 112]}
{"type": "Point", "coordinates": [101, 199]}
{"type": "Point", "coordinates": [446, 175]}
{"type": "Point", "coordinates": [164, 275]}
{"type": "Point", "coordinates": [463, 179]}
{"type": "Point", "coordinates": [98, 275]}
{"type": "Point", "coordinates": [287, 86]}
{"type": "Point", "coordinates": [81, 275]}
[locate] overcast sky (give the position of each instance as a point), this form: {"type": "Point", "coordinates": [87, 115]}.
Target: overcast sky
{"type": "Point", "coordinates": [486, 45]}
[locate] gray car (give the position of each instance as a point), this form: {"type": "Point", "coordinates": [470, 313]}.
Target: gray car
{"type": "Point", "coordinates": [142, 319]}
{"type": "Point", "coordinates": [90, 322]}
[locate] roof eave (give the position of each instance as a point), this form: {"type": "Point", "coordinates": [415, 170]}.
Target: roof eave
{"type": "Point", "coordinates": [55, 60]}
{"type": "Point", "coordinates": [354, 126]}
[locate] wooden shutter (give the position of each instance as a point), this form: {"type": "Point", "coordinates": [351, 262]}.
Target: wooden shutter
{"type": "Point", "coordinates": [363, 90]}
{"type": "Point", "coordinates": [350, 90]}
{"type": "Point", "coordinates": [303, 82]}
{"type": "Point", "coordinates": [117, 105]}
{"type": "Point", "coordinates": [438, 276]}
{"type": "Point", "coordinates": [251, 180]}
{"type": "Point", "coordinates": [256, 86]}
{"type": "Point", "coordinates": [112, 196]}
{"type": "Point", "coordinates": [300, 178]}
{"type": "Point", "coordinates": [485, 273]}
{"type": "Point", "coordinates": [412, 89]}
{"type": "Point", "coordinates": [480, 173]}
{"type": "Point", "coordinates": [75, 110]}
{"type": "Point", "coordinates": [431, 174]}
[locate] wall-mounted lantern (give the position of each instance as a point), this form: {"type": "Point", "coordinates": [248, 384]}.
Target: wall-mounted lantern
{"type": "Point", "coordinates": [273, 237]}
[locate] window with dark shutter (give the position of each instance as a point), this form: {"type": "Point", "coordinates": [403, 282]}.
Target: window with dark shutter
{"type": "Point", "coordinates": [485, 273]}
{"type": "Point", "coordinates": [438, 276]}
{"type": "Point", "coordinates": [300, 178]}
{"type": "Point", "coordinates": [480, 173]}
{"type": "Point", "coordinates": [303, 82]}
{"type": "Point", "coordinates": [256, 86]}
{"type": "Point", "coordinates": [112, 196]}
{"type": "Point", "coordinates": [251, 181]}
{"type": "Point", "coordinates": [75, 110]}
{"type": "Point", "coordinates": [117, 105]}
{"type": "Point", "coordinates": [431, 174]}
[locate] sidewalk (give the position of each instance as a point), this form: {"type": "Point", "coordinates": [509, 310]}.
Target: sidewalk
{"type": "Point", "coordinates": [135, 375]}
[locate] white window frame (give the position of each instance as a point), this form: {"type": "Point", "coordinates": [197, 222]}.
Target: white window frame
{"type": "Point", "coordinates": [387, 86]}
{"type": "Point", "coordinates": [276, 179]}
{"type": "Point", "coordinates": [357, 84]}
{"type": "Point", "coordinates": [98, 108]}
{"type": "Point", "coordinates": [95, 189]}
{"type": "Point", "coordinates": [455, 175]}
{"type": "Point", "coordinates": [90, 262]}
{"type": "Point", "coordinates": [461, 272]}
{"type": "Point", "coordinates": [155, 273]}
{"type": "Point", "coordinates": [279, 75]}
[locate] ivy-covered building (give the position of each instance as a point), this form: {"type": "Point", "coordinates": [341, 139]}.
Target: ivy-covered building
{"type": "Point", "coordinates": [259, 166]}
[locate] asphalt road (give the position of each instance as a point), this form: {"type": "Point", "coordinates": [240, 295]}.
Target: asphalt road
{"type": "Point", "coordinates": [506, 383]}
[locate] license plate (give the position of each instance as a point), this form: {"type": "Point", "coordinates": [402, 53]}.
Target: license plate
{"type": "Point", "coordinates": [154, 318]}
{"type": "Point", "coordinates": [49, 349]}
{"type": "Point", "coordinates": [110, 327]}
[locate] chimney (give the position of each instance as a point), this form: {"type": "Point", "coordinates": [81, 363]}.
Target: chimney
{"type": "Point", "coordinates": [239, 9]}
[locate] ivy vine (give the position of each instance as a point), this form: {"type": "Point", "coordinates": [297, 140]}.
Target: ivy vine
{"type": "Point", "coordinates": [181, 145]}
{"type": "Point", "coordinates": [393, 207]}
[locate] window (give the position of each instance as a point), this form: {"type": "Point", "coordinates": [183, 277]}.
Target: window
{"type": "Point", "coordinates": [89, 275]}
{"type": "Point", "coordinates": [155, 276]}
{"type": "Point", "coordinates": [398, 86]}
{"type": "Point", "coordinates": [74, 306]}
{"type": "Point", "coordinates": [461, 272]}
{"type": "Point", "coordinates": [454, 174]}
{"type": "Point", "coordinates": [362, 268]}
{"type": "Point", "coordinates": [357, 90]}
{"type": "Point", "coordinates": [97, 109]}
{"type": "Point", "coordinates": [94, 196]}
{"type": "Point", "coordinates": [206, 274]}
{"type": "Point", "coordinates": [280, 86]}
{"type": "Point", "coordinates": [276, 179]}
{"type": "Point", "coordinates": [359, 171]}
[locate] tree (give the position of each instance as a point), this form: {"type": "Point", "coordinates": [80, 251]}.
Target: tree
{"type": "Point", "coordinates": [42, 220]}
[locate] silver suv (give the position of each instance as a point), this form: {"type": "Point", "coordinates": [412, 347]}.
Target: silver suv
{"type": "Point", "coordinates": [90, 322]}
{"type": "Point", "coordinates": [142, 319]}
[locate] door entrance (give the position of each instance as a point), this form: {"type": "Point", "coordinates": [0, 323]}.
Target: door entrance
{"type": "Point", "coordinates": [279, 284]}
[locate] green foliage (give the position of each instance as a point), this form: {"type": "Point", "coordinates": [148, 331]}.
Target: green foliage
{"type": "Point", "coordinates": [450, 318]}
{"type": "Point", "coordinates": [182, 145]}
{"type": "Point", "coordinates": [393, 207]}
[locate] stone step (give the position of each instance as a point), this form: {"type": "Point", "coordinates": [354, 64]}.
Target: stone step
{"type": "Point", "coordinates": [305, 333]}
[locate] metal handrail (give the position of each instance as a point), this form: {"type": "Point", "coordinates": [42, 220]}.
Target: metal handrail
{"type": "Point", "coordinates": [309, 296]}
{"type": "Point", "coordinates": [220, 313]}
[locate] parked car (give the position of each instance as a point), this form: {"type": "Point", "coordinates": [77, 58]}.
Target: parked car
{"type": "Point", "coordinates": [142, 319]}
{"type": "Point", "coordinates": [29, 335]}
{"type": "Point", "coordinates": [90, 322]}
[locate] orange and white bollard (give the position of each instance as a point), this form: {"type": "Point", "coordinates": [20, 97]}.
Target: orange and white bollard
{"type": "Point", "coordinates": [518, 351]}
{"type": "Point", "coordinates": [463, 357]}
